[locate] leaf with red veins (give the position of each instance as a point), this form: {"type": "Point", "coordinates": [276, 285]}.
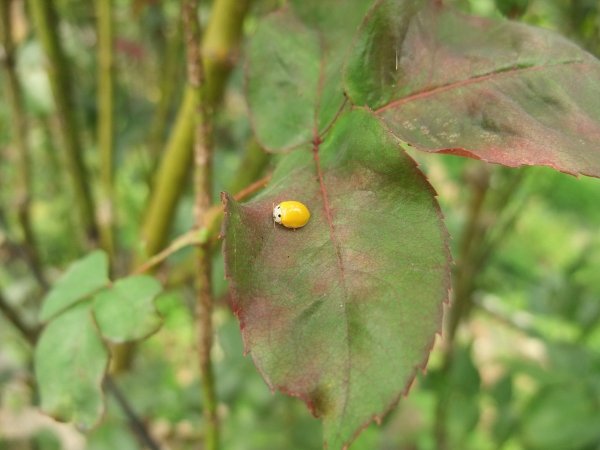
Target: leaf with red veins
{"type": "Point", "coordinates": [295, 67]}
{"type": "Point", "coordinates": [499, 91]}
{"type": "Point", "coordinates": [342, 312]}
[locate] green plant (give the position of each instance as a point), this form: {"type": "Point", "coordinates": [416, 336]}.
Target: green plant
{"type": "Point", "coordinates": [343, 312]}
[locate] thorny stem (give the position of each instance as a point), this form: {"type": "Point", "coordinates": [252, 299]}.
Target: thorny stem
{"type": "Point", "coordinates": [15, 97]}
{"type": "Point", "coordinates": [203, 150]}
{"type": "Point", "coordinates": [220, 42]}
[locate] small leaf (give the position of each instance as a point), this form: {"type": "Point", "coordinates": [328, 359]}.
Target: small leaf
{"type": "Point", "coordinates": [499, 91]}
{"type": "Point", "coordinates": [342, 312]}
{"type": "Point", "coordinates": [125, 311]}
{"type": "Point", "coordinates": [81, 279]}
{"type": "Point", "coordinates": [294, 76]}
{"type": "Point", "coordinates": [70, 361]}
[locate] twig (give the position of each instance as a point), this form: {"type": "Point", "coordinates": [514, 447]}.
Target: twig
{"type": "Point", "coordinates": [252, 188]}
{"type": "Point", "coordinates": [15, 96]}
{"type": "Point", "coordinates": [192, 237]}
{"type": "Point", "coordinates": [136, 425]}
{"type": "Point", "coordinates": [203, 152]}
{"type": "Point", "coordinates": [200, 236]}
{"type": "Point", "coordinates": [30, 334]}
{"type": "Point", "coordinates": [106, 123]}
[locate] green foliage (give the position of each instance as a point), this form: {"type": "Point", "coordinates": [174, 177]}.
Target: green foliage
{"type": "Point", "coordinates": [70, 360]}
{"type": "Point", "coordinates": [332, 84]}
{"type": "Point", "coordinates": [82, 279]}
{"type": "Point", "coordinates": [125, 311]}
{"type": "Point", "coordinates": [84, 308]}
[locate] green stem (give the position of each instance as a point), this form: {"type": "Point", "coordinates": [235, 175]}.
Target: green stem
{"type": "Point", "coordinates": [23, 188]}
{"type": "Point", "coordinates": [46, 27]}
{"type": "Point", "coordinates": [203, 157]}
{"type": "Point", "coordinates": [169, 82]}
{"type": "Point", "coordinates": [106, 123]}
{"type": "Point", "coordinates": [220, 44]}
{"type": "Point", "coordinates": [463, 286]}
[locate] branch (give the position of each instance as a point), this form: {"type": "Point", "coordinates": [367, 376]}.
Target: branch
{"type": "Point", "coordinates": [46, 28]}
{"type": "Point", "coordinates": [203, 156]}
{"type": "Point", "coordinates": [135, 423]}
{"type": "Point", "coordinates": [106, 123]}
{"type": "Point", "coordinates": [219, 45]}
{"type": "Point", "coordinates": [30, 334]}
{"type": "Point", "coordinates": [200, 236]}
{"type": "Point", "coordinates": [23, 188]}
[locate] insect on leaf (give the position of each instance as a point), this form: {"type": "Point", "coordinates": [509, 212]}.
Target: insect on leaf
{"type": "Point", "coordinates": [342, 312]}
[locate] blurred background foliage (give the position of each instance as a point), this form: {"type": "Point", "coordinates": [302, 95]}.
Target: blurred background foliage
{"type": "Point", "coordinates": [523, 372]}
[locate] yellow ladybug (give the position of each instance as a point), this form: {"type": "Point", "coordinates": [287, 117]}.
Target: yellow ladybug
{"type": "Point", "coordinates": [291, 214]}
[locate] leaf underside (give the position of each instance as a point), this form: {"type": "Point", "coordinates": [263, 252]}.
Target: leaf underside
{"type": "Point", "coordinates": [70, 361]}
{"type": "Point", "coordinates": [329, 312]}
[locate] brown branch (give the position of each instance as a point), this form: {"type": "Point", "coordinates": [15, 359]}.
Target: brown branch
{"type": "Point", "coordinates": [203, 151]}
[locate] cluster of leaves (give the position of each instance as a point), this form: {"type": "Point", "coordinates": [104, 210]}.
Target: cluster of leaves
{"type": "Point", "coordinates": [343, 312]}
{"type": "Point", "coordinates": [84, 311]}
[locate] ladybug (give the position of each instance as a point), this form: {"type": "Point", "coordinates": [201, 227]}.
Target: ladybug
{"type": "Point", "coordinates": [291, 214]}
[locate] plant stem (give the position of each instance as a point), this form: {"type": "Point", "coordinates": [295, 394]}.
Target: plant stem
{"type": "Point", "coordinates": [136, 425]}
{"type": "Point", "coordinates": [23, 188]}
{"type": "Point", "coordinates": [106, 123]}
{"type": "Point", "coordinates": [463, 287]}
{"type": "Point", "coordinates": [30, 334]}
{"type": "Point", "coordinates": [205, 234]}
{"type": "Point", "coordinates": [203, 155]}
{"type": "Point", "coordinates": [46, 26]}
{"type": "Point", "coordinates": [219, 46]}
{"type": "Point", "coordinates": [170, 79]}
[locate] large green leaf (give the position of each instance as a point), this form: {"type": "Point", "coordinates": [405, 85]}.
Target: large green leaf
{"type": "Point", "coordinates": [342, 312]}
{"type": "Point", "coordinates": [498, 91]}
{"type": "Point", "coordinates": [81, 279]}
{"type": "Point", "coordinates": [294, 70]}
{"type": "Point", "coordinates": [125, 311]}
{"type": "Point", "coordinates": [70, 361]}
